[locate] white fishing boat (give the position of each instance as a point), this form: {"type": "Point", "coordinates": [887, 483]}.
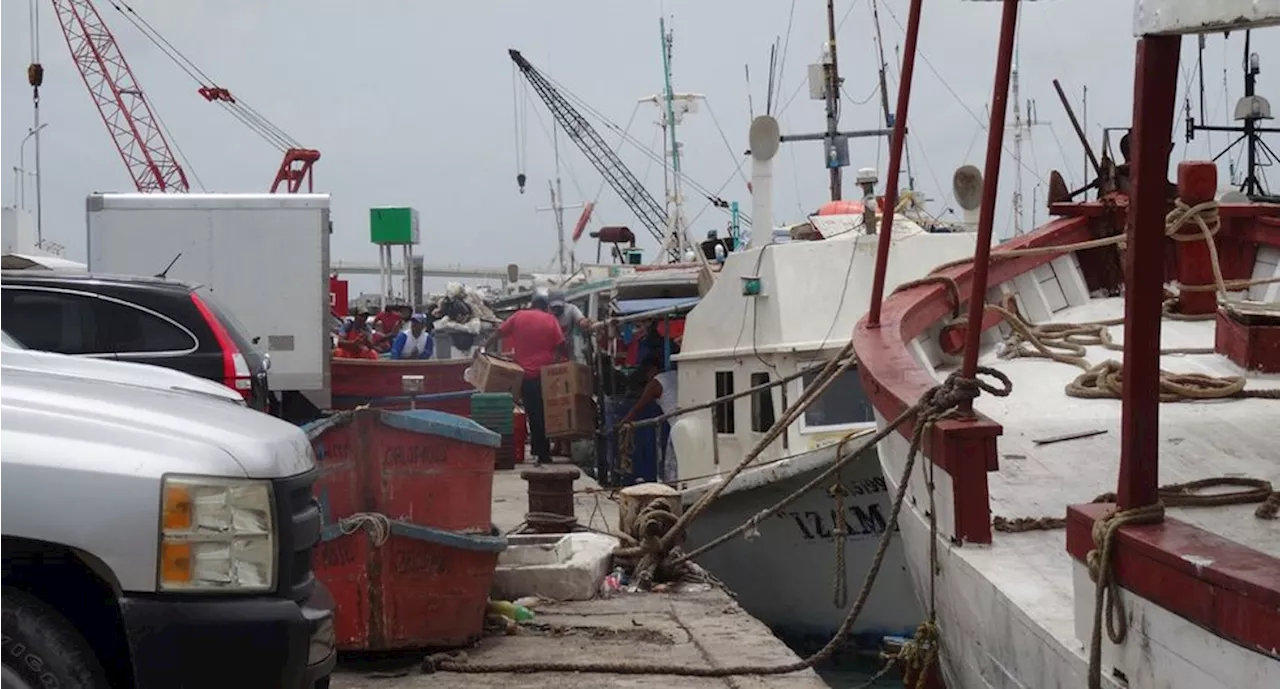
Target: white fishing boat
{"type": "Point", "coordinates": [1171, 577]}
{"type": "Point", "coordinates": [776, 312]}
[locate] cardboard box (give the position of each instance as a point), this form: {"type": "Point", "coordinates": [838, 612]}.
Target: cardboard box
{"type": "Point", "coordinates": [570, 417]}
{"type": "Point", "coordinates": [495, 374]}
{"type": "Point", "coordinates": [569, 379]}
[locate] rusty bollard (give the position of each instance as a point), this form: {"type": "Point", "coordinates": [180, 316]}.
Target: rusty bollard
{"type": "Point", "coordinates": [551, 499]}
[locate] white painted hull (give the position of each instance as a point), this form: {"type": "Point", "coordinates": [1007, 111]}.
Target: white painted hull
{"type": "Point", "coordinates": [989, 641]}
{"type": "Point", "coordinates": [785, 576]}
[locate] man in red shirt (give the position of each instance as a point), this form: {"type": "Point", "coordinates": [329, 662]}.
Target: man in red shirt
{"type": "Point", "coordinates": [535, 338]}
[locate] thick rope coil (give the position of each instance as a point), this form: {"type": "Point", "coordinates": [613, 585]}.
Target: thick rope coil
{"type": "Point", "coordinates": [1106, 600]}
{"type": "Point", "coordinates": [378, 526]}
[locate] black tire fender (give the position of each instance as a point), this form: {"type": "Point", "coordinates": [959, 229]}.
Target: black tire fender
{"type": "Point", "coordinates": [43, 648]}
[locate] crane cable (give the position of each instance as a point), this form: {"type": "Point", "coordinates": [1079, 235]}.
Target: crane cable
{"type": "Point", "coordinates": [209, 89]}
{"type": "Point", "coordinates": [519, 120]}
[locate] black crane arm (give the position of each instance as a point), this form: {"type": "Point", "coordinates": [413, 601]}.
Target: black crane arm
{"type": "Point", "coordinates": [615, 172]}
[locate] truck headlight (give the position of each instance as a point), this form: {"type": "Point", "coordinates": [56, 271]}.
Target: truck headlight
{"type": "Point", "coordinates": [217, 535]}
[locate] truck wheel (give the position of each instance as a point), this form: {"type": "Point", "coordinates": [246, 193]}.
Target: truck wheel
{"type": "Point", "coordinates": [42, 649]}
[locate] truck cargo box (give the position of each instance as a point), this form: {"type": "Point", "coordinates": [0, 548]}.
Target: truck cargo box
{"type": "Point", "coordinates": [265, 255]}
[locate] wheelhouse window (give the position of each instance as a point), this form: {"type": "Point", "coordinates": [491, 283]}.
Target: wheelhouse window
{"type": "Point", "coordinates": [762, 412]}
{"type": "Point", "coordinates": [724, 410]}
{"type": "Point", "coordinates": [843, 403]}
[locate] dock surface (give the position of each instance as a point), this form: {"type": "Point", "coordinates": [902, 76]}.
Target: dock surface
{"type": "Point", "coordinates": [699, 628]}
{"type": "Point", "coordinates": [702, 629]}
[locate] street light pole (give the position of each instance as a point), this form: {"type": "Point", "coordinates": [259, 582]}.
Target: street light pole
{"type": "Point", "coordinates": [20, 197]}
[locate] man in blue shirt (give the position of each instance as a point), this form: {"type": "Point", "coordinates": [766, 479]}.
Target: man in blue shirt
{"type": "Point", "coordinates": [414, 343]}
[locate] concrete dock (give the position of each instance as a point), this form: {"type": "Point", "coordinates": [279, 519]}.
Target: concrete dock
{"type": "Point", "coordinates": [700, 626]}
{"type": "Point", "coordinates": [704, 629]}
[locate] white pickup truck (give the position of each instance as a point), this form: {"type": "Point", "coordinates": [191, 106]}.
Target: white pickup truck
{"type": "Point", "coordinates": [156, 533]}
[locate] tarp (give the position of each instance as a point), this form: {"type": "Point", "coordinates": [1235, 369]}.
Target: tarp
{"type": "Point", "coordinates": [627, 307]}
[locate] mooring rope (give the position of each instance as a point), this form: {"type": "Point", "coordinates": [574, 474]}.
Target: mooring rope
{"type": "Point", "coordinates": [935, 404]}
{"type": "Point", "coordinates": [1106, 600]}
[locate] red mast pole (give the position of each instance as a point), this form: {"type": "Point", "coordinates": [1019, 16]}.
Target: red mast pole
{"type": "Point", "coordinates": [1154, 94]}
{"type": "Point", "coordinates": [990, 183]}
{"type": "Point", "coordinates": [895, 163]}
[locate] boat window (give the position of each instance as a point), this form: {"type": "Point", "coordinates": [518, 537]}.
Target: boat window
{"type": "Point", "coordinates": [724, 411]}
{"type": "Point", "coordinates": [843, 403]}
{"type": "Point", "coordinates": [761, 404]}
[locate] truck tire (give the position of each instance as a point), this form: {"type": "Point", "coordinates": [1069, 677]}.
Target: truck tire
{"type": "Point", "coordinates": [42, 649]}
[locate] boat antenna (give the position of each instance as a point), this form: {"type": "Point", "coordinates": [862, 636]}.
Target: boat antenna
{"type": "Point", "coordinates": [164, 274]}
{"type": "Point", "coordinates": [884, 89]}
{"type": "Point", "coordinates": [1250, 109]}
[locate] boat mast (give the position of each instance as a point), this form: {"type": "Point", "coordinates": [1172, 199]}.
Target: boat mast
{"type": "Point", "coordinates": [1017, 142]}
{"type": "Point", "coordinates": [824, 84]}
{"type": "Point", "coordinates": [557, 200]}
{"type": "Point", "coordinates": [833, 105]}
{"type": "Point", "coordinates": [1021, 126]}
{"type": "Point", "coordinates": [675, 201]}
{"type": "Point", "coordinates": [558, 207]}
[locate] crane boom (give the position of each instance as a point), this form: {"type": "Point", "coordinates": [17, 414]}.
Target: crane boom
{"type": "Point", "coordinates": [120, 101]}
{"type": "Point", "coordinates": [610, 166]}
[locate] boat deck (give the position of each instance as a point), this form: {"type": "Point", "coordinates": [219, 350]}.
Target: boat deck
{"type": "Point", "coordinates": [1198, 440]}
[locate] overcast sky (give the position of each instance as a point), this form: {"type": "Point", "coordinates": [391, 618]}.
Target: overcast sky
{"type": "Point", "coordinates": [411, 103]}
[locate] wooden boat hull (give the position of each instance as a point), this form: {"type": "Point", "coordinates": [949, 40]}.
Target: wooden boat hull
{"type": "Point", "coordinates": [360, 381]}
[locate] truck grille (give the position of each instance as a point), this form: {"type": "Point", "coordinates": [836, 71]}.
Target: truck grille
{"type": "Point", "coordinates": [299, 518]}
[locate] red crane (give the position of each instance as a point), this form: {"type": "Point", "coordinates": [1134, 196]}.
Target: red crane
{"type": "Point", "coordinates": [132, 125]}
{"type": "Point", "coordinates": [134, 128]}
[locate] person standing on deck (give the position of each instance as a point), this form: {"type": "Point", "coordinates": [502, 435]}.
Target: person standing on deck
{"type": "Point", "coordinates": [535, 337]}
{"type": "Point", "coordinates": [414, 343]}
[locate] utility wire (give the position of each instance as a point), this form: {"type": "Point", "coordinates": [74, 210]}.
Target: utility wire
{"type": "Point", "coordinates": [727, 146]}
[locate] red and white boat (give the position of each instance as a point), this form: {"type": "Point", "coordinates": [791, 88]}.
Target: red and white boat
{"type": "Point", "coordinates": [1194, 589]}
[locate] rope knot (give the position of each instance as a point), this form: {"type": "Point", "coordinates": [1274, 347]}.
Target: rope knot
{"type": "Point", "coordinates": [1203, 215]}
{"type": "Point", "coordinates": [377, 525]}
{"type": "Point", "coordinates": [957, 389]}
{"type": "Point", "coordinates": [1106, 598]}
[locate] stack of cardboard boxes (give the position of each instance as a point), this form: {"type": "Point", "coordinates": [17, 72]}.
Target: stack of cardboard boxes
{"type": "Point", "coordinates": [566, 399]}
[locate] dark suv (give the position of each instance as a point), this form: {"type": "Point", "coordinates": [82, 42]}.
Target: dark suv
{"type": "Point", "coordinates": [143, 320]}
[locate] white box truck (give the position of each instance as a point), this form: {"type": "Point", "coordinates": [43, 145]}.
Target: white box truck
{"type": "Point", "coordinates": [266, 256]}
